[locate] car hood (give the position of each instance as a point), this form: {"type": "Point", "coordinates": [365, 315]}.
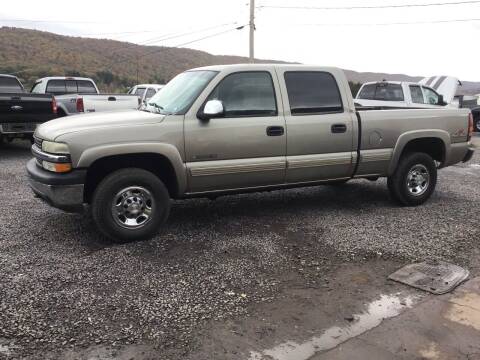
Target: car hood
{"type": "Point", "coordinates": [444, 85]}
{"type": "Point", "coordinates": [61, 126]}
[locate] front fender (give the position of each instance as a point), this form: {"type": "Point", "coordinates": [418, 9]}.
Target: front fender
{"type": "Point", "coordinates": [92, 154]}
{"type": "Point", "coordinates": [406, 137]}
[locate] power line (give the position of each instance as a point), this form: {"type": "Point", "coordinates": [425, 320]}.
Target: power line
{"type": "Point", "coordinates": [368, 7]}
{"type": "Point", "coordinates": [166, 37]}
{"type": "Point", "coordinates": [392, 23]}
{"type": "Point", "coordinates": [180, 45]}
{"type": "Point", "coordinates": [53, 21]}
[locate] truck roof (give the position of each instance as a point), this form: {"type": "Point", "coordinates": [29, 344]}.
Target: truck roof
{"type": "Point", "coordinates": [391, 82]}
{"type": "Point", "coordinates": [63, 78]}
{"type": "Point", "coordinates": [149, 85]}
{"type": "Point", "coordinates": [264, 66]}
{"type": "Point", "coordinates": [8, 76]}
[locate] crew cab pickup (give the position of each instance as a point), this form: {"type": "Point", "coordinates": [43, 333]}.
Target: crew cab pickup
{"type": "Point", "coordinates": [20, 112]}
{"type": "Point", "coordinates": [237, 128]}
{"type": "Point", "coordinates": [80, 95]}
{"type": "Point", "coordinates": [433, 92]}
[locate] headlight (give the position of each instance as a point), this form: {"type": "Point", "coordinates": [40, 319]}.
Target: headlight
{"type": "Point", "coordinates": [55, 148]}
{"type": "Point", "coordinates": [56, 167]}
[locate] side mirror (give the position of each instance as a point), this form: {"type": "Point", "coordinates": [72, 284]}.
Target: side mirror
{"type": "Point", "coordinates": [441, 101]}
{"type": "Point", "coordinates": [212, 109]}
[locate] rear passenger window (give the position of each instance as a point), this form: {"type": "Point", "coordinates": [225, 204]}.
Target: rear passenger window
{"type": "Point", "coordinates": [86, 87]}
{"type": "Point", "coordinates": [417, 95]}
{"type": "Point", "coordinates": [389, 92]}
{"type": "Point", "coordinates": [312, 93]}
{"type": "Point", "coordinates": [246, 94]}
{"type": "Point", "coordinates": [56, 87]}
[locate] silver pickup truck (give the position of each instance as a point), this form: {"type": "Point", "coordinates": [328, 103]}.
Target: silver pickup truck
{"type": "Point", "coordinates": [78, 95]}
{"type": "Point", "coordinates": [238, 128]}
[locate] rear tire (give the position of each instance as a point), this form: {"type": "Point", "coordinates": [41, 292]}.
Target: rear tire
{"type": "Point", "coordinates": [414, 180]}
{"type": "Point", "coordinates": [130, 205]}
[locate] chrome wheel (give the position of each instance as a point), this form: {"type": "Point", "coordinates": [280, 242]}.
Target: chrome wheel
{"type": "Point", "coordinates": [418, 180]}
{"type": "Point", "coordinates": [132, 207]}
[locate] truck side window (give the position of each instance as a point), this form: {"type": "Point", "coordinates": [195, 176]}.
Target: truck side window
{"type": "Point", "coordinates": [313, 93]}
{"type": "Point", "coordinates": [431, 96]}
{"type": "Point", "coordinates": [417, 95]}
{"type": "Point", "coordinates": [246, 94]}
{"type": "Point", "coordinates": [56, 87]}
{"type": "Point", "coordinates": [150, 93]}
{"type": "Point", "coordinates": [140, 91]}
{"type": "Point", "coordinates": [368, 92]}
{"type": "Point", "coordinates": [86, 87]}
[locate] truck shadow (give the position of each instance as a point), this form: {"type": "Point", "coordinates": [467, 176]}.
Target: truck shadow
{"type": "Point", "coordinates": [317, 200]}
{"type": "Point", "coordinates": [251, 211]}
{"type": "Point", "coordinates": [15, 149]}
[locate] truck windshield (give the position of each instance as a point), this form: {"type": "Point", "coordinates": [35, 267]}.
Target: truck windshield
{"type": "Point", "coordinates": [178, 95]}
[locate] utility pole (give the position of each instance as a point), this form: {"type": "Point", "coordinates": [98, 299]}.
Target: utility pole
{"type": "Point", "coordinates": [252, 32]}
{"type": "Point", "coordinates": [138, 59]}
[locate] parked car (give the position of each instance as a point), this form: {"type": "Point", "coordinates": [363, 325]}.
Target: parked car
{"type": "Point", "coordinates": [225, 129]}
{"type": "Point", "coordinates": [409, 94]}
{"type": "Point", "coordinates": [21, 112]}
{"type": "Point", "coordinates": [145, 91]}
{"type": "Point", "coordinates": [476, 118]}
{"type": "Point", "coordinates": [80, 95]}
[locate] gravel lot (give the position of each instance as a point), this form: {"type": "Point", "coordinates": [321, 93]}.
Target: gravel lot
{"type": "Point", "coordinates": [64, 287]}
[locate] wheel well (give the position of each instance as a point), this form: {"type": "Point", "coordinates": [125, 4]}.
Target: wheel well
{"type": "Point", "coordinates": [431, 146]}
{"type": "Point", "coordinates": [155, 163]}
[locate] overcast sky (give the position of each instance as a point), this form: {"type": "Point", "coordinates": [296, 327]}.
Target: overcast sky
{"type": "Point", "coordinates": [343, 38]}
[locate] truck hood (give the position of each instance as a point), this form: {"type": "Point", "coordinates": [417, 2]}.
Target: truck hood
{"type": "Point", "coordinates": [52, 129]}
{"type": "Point", "coordinates": [444, 85]}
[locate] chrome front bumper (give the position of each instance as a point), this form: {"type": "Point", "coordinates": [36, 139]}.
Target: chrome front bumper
{"type": "Point", "coordinates": [65, 197]}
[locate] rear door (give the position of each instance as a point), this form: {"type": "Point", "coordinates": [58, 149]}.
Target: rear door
{"type": "Point", "coordinates": [320, 129]}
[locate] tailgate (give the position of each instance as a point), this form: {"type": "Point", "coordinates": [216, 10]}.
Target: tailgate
{"type": "Point", "coordinates": [26, 108]}
{"type": "Point", "coordinates": [109, 102]}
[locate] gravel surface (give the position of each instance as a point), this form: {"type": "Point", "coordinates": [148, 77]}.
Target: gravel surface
{"type": "Point", "coordinates": [62, 286]}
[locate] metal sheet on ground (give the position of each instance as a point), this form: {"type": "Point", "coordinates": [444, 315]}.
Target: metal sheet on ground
{"type": "Point", "coordinates": [435, 277]}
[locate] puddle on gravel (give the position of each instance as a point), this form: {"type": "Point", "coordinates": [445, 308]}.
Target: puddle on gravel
{"type": "Point", "coordinates": [387, 306]}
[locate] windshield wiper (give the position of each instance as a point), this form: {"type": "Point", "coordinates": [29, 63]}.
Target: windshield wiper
{"type": "Point", "coordinates": [160, 109]}
{"type": "Point", "coordinates": [157, 107]}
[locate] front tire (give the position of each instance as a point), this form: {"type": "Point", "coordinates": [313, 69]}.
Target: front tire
{"type": "Point", "coordinates": [130, 205]}
{"type": "Point", "coordinates": [414, 180]}
{"type": "Point", "coordinates": [477, 125]}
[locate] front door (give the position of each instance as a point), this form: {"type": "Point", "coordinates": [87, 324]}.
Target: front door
{"type": "Point", "coordinates": [320, 139]}
{"type": "Point", "coordinates": [244, 148]}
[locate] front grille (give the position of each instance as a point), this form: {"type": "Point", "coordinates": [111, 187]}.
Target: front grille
{"type": "Point", "coordinates": [38, 142]}
{"type": "Point", "coordinates": [18, 128]}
